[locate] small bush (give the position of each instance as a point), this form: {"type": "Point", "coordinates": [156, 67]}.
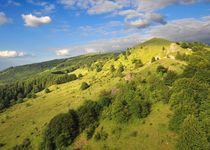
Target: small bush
{"type": "Point", "coordinates": [84, 86]}
{"type": "Point", "coordinates": [91, 130]}
{"type": "Point", "coordinates": [47, 90]}
{"type": "Point", "coordinates": [161, 69]}
{"type": "Point", "coordinates": [101, 135]}
{"type": "Point", "coordinates": [26, 145]}
{"type": "Point", "coordinates": [88, 113]}
{"type": "Point", "coordinates": [61, 131]}
{"type": "Point", "coordinates": [153, 59]}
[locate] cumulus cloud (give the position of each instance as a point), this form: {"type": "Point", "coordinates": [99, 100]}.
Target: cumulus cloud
{"type": "Point", "coordinates": [4, 19]}
{"type": "Point", "coordinates": [9, 54]}
{"type": "Point", "coordinates": [189, 29]}
{"type": "Point", "coordinates": [62, 52]}
{"type": "Point", "coordinates": [33, 21]}
{"type": "Point", "coordinates": [101, 46]}
{"type": "Point", "coordinates": [135, 11]}
{"type": "Point", "coordinates": [146, 20]}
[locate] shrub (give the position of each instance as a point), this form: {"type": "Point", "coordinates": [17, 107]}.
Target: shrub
{"type": "Point", "coordinates": [61, 131]}
{"type": "Point", "coordinates": [47, 90]}
{"type": "Point", "coordinates": [120, 69]}
{"type": "Point", "coordinates": [90, 130]}
{"type": "Point", "coordinates": [138, 63]}
{"type": "Point", "coordinates": [153, 59]}
{"type": "Point", "coordinates": [88, 113]}
{"type": "Point", "coordinates": [66, 78]}
{"type": "Point", "coordinates": [105, 99]}
{"type": "Point", "coordinates": [161, 69]}
{"type": "Point", "coordinates": [112, 69]}
{"type": "Point", "coordinates": [84, 86]}
{"type": "Point", "coordinates": [192, 135]}
{"type": "Point", "coordinates": [170, 77]}
{"type": "Point", "coordinates": [101, 135]}
{"type": "Point", "coordinates": [80, 76]}
{"type": "Point", "coordinates": [26, 145]}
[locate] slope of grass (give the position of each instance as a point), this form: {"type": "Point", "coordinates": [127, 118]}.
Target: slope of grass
{"type": "Point", "coordinates": [150, 133]}
{"type": "Point", "coordinates": [26, 71]}
{"type": "Point", "coordinates": [29, 119]}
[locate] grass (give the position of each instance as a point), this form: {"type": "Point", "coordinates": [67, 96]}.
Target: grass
{"type": "Point", "coordinates": [150, 133]}
{"type": "Point", "coordinates": [29, 119]}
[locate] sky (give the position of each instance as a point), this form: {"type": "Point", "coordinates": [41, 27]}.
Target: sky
{"type": "Point", "coordinates": [40, 30]}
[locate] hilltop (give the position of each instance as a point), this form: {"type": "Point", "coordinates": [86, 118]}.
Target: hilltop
{"type": "Point", "coordinates": [134, 99]}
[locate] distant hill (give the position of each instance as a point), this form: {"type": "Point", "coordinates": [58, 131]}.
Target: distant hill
{"type": "Point", "coordinates": [22, 72]}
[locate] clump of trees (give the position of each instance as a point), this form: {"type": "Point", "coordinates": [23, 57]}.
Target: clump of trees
{"type": "Point", "coordinates": [11, 93]}
{"type": "Point", "coordinates": [129, 104]}
{"type": "Point", "coordinates": [64, 128]}
{"type": "Point", "coordinates": [190, 102]}
{"type": "Point", "coordinates": [61, 131]}
{"type": "Point", "coordinates": [182, 57]}
{"type": "Point", "coordinates": [66, 78]}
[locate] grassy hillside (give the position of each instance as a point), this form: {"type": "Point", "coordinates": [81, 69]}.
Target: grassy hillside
{"type": "Point", "coordinates": [26, 71]}
{"type": "Point", "coordinates": [30, 118]}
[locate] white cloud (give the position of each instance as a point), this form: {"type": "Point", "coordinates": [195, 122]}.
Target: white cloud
{"type": "Point", "coordinates": [189, 29]}
{"type": "Point", "coordinates": [62, 52]}
{"type": "Point", "coordinates": [146, 20]}
{"type": "Point", "coordinates": [130, 9]}
{"type": "Point", "coordinates": [4, 19]}
{"type": "Point", "coordinates": [101, 46]}
{"type": "Point", "coordinates": [8, 54]}
{"type": "Point", "coordinates": [104, 7]}
{"type": "Point", "coordinates": [33, 21]}
{"type": "Point", "coordinates": [130, 13]}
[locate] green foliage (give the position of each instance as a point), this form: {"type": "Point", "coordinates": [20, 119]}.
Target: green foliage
{"type": "Point", "coordinates": [161, 69]}
{"type": "Point", "coordinates": [156, 90]}
{"type": "Point", "coordinates": [47, 90]}
{"type": "Point", "coordinates": [112, 69]}
{"type": "Point", "coordinates": [80, 76]}
{"type": "Point", "coordinates": [153, 59]}
{"type": "Point", "coordinates": [138, 63]}
{"type": "Point", "coordinates": [105, 99]}
{"type": "Point", "coordinates": [84, 86]}
{"type": "Point", "coordinates": [101, 135]}
{"type": "Point", "coordinates": [183, 57]}
{"type": "Point", "coordinates": [61, 131]}
{"type": "Point", "coordinates": [26, 145]}
{"type": "Point", "coordinates": [192, 135]}
{"type": "Point", "coordinates": [129, 104]}
{"type": "Point", "coordinates": [66, 78]}
{"type": "Point", "coordinates": [88, 113]}
{"type": "Point", "coordinates": [170, 77]}
{"type": "Point", "coordinates": [91, 130]}
{"type": "Point", "coordinates": [99, 67]}
{"type": "Point", "coordinates": [120, 70]}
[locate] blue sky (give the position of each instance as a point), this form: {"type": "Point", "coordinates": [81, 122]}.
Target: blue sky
{"type": "Point", "coordinates": [39, 30]}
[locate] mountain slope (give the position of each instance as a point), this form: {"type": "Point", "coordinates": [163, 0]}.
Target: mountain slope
{"type": "Point", "coordinates": [30, 118]}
